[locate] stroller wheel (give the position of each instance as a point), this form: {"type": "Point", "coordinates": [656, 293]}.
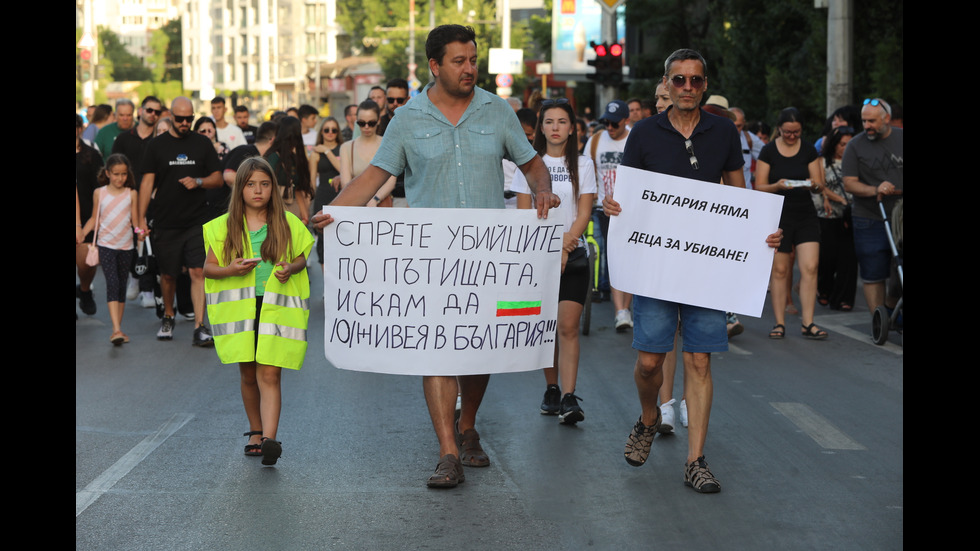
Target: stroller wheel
{"type": "Point", "coordinates": [879, 325]}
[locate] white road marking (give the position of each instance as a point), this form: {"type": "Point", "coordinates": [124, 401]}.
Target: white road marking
{"type": "Point", "coordinates": [815, 426]}
{"type": "Point", "coordinates": [105, 481]}
{"type": "Point", "coordinates": [838, 324]}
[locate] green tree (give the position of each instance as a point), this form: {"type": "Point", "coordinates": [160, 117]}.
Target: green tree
{"type": "Point", "coordinates": [384, 23]}
{"type": "Point", "coordinates": [765, 56]}
{"type": "Point", "coordinates": [121, 64]}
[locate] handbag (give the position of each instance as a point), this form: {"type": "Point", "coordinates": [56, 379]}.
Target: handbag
{"type": "Point", "coordinates": [92, 257]}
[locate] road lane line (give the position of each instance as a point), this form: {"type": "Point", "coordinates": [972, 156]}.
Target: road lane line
{"type": "Point", "coordinates": [841, 324]}
{"type": "Point", "coordinates": [816, 427]}
{"type": "Point", "coordinates": [105, 481]}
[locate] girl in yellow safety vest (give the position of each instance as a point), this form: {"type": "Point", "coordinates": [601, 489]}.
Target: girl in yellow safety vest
{"type": "Point", "coordinates": [257, 255]}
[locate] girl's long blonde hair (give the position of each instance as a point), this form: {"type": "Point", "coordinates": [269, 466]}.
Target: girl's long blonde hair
{"type": "Point", "coordinates": [278, 237]}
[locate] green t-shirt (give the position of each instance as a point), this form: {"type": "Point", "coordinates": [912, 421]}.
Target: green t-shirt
{"type": "Point", "coordinates": [264, 269]}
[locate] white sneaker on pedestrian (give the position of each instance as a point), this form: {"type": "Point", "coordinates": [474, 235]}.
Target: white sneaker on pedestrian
{"type": "Point", "coordinates": [667, 414]}
{"type": "Point", "coordinates": [132, 289]}
{"type": "Point", "coordinates": [147, 300]}
{"type": "Point", "coordinates": [623, 320]}
{"type": "Point", "coordinates": [684, 413]}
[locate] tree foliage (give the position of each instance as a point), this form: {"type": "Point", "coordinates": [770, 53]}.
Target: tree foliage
{"type": "Point", "coordinates": [121, 64]}
{"type": "Point", "coordinates": [380, 28]}
{"type": "Point", "coordinates": [765, 56]}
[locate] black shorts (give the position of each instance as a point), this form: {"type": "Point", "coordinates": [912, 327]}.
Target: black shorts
{"type": "Point", "coordinates": [175, 248]}
{"type": "Point", "coordinates": [798, 228]}
{"type": "Point", "coordinates": [574, 284]}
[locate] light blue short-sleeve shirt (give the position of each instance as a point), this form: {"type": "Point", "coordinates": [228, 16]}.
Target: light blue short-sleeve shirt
{"type": "Point", "coordinates": [448, 166]}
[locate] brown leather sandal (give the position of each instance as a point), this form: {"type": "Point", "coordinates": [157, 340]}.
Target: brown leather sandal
{"type": "Point", "coordinates": [449, 473]}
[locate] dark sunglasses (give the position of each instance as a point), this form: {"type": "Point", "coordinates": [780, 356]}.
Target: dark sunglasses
{"type": "Point", "coordinates": [331, 130]}
{"type": "Point", "coordinates": [369, 124]}
{"type": "Point", "coordinates": [611, 124]}
{"type": "Point", "coordinates": [180, 118]}
{"type": "Point", "coordinates": [697, 81]}
{"type": "Point", "coordinates": [399, 101]}
{"type": "Point", "coordinates": [844, 130]}
{"type": "Point", "coordinates": [552, 102]}
{"type": "Point", "coordinates": [153, 111]}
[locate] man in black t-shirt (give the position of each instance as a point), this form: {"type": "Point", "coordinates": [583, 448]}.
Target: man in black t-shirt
{"type": "Point", "coordinates": [241, 119]}
{"type": "Point", "coordinates": [177, 166]}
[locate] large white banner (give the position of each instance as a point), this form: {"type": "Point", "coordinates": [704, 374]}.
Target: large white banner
{"type": "Point", "coordinates": [692, 242]}
{"type": "Point", "coordinates": [440, 291]}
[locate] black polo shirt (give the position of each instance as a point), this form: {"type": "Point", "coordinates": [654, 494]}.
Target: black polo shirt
{"type": "Point", "coordinates": [655, 145]}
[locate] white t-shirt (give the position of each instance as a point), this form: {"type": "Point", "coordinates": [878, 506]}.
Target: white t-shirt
{"type": "Point", "coordinates": [231, 136]}
{"type": "Point", "coordinates": [561, 186]}
{"type": "Point", "coordinates": [608, 155]}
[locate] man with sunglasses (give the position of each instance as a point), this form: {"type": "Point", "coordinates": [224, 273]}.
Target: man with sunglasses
{"type": "Point", "coordinates": [177, 167]}
{"type": "Point", "coordinates": [606, 149]}
{"type": "Point", "coordinates": [873, 170]}
{"type": "Point", "coordinates": [133, 142]}
{"type": "Point", "coordinates": [449, 141]}
{"type": "Point", "coordinates": [396, 95]}
{"type": "Point", "coordinates": [687, 142]}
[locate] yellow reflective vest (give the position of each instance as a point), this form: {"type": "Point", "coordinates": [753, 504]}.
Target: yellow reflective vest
{"type": "Point", "coordinates": [285, 306]}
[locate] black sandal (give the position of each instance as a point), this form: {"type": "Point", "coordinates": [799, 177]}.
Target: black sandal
{"type": "Point", "coordinates": [813, 332]}
{"type": "Point", "coordinates": [271, 451]}
{"type": "Point", "coordinates": [253, 449]}
{"type": "Point", "coordinates": [778, 331]}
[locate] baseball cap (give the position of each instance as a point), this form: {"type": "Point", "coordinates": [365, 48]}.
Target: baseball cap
{"type": "Point", "coordinates": [616, 111]}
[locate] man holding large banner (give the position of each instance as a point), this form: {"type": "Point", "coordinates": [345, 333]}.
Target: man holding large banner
{"type": "Point", "coordinates": [687, 142]}
{"type": "Point", "coordinates": [449, 141]}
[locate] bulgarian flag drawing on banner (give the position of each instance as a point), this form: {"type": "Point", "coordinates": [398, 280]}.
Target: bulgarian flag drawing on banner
{"type": "Point", "coordinates": [518, 308]}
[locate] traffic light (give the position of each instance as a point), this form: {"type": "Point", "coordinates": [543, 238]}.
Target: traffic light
{"type": "Point", "coordinates": [615, 66]}
{"type": "Point", "coordinates": [608, 63]}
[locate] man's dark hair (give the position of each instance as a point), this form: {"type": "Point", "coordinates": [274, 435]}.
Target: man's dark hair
{"type": "Point", "coordinates": [349, 107]}
{"type": "Point", "coordinates": [399, 83]}
{"type": "Point", "coordinates": [685, 54]}
{"type": "Point", "coordinates": [439, 37]}
{"type": "Point", "coordinates": [102, 112]}
{"type": "Point", "coordinates": [306, 110]}
{"type": "Point", "coordinates": [148, 99]}
{"type": "Point", "coordinates": [634, 100]}
{"type": "Point", "coordinates": [266, 131]}
{"type": "Point", "coordinates": [217, 99]}
{"type": "Point", "coordinates": [527, 116]}
{"type": "Point", "coordinates": [241, 109]}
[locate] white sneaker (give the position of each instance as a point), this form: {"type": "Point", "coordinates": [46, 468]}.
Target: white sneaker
{"type": "Point", "coordinates": [623, 320]}
{"type": "Point", "coordinates": [147, 300]}
{"type": "Point", "coordinates": [684, 413]}
{"type": "Point", "coordinates": [667, 417]}
{"type": "Point", "coordinates": [132, 289]}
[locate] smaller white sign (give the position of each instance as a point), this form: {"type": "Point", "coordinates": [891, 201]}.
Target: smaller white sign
{"type": "Point", "coordinates": [692, 242]}
{"type": "Point", "coordinates": [506, 60]}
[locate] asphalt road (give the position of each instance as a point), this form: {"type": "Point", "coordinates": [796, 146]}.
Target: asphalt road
{"type": "Point", "coordinates": [806, 438]}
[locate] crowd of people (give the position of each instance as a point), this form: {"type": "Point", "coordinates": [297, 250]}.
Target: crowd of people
{"type": "Point", "coordinates": [158, 174]}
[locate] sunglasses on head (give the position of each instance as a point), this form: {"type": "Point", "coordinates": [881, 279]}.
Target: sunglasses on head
{"type": "Point", "coordinates": [399, 101]}
{"type": "Point", "coordinates": [876, 102]}
{"type": "Point", "coordinates": [181, 118]}
{"type": "Point", "coordinates": [552, 102]}
{"type": "Point", "coordinates": [697, 81]}
{"type": "Point", "coordinates": [369, 124]}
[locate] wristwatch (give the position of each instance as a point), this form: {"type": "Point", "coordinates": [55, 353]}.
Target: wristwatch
{"type": "Point", "coordinates": [199, 182]}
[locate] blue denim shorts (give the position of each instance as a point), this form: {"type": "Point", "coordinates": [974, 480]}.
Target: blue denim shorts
{"type": "Point", "coordinates": [655, 322]}
{"type": "Point", "coordinates": [873, 251]}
